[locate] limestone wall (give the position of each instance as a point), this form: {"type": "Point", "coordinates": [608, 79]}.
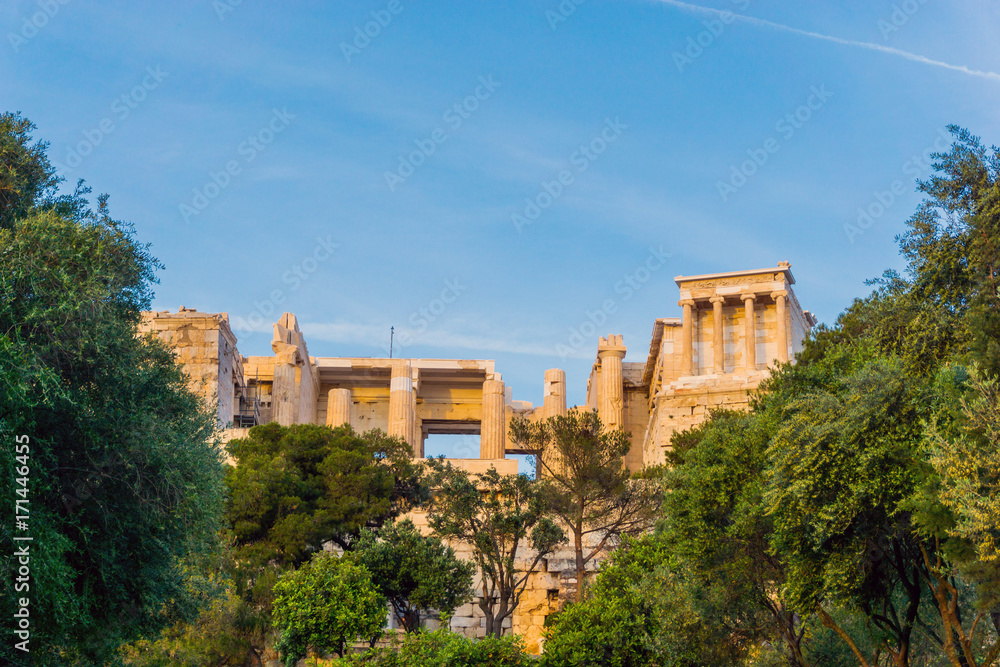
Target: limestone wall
{"type": "Point", "coordinates": [206, 348]}
{"type": "Point", "coordinates": [546, 591]}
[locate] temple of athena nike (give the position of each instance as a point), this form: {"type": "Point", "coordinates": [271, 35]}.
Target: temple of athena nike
{"type": "Point", "coordinates": [733, 328]}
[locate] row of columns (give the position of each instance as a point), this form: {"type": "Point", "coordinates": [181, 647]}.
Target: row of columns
{"type": "Point", "coordinates": [718, 334]}
{"type": "Point", "coordinates": [402, 409]}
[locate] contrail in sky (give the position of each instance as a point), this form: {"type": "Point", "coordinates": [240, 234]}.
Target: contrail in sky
{"type": "Point", "coordinates": [837, 40]}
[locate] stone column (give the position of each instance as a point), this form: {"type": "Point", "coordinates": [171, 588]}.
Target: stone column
{"type": "Point", "coordinates": [749, 333]}
{"type": "Point", "coordinates": [718, 337]}
{"type": "Point", "coordinates": [338, 407]}
{"type": "Point", "coordinates": [283, 408]}
{"type": "Point", "coordinates": [610, 352]}
{"type": "Point", "coordinates": [687, 336]}
{"type": "Point", "coordinates": [491, 433]}
{"type": "Point", "coordinates": [555, 393]}
{"type": "Point", "coordinates": [401, 402]}
{"type": "Point", "coordinates": [780, 297]}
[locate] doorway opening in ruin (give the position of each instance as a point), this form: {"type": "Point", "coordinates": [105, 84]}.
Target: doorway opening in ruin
{"type": "Point", "coordinates": [452, 445]}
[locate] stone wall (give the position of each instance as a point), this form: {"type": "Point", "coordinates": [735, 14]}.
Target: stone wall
{"type": "Point", "coordinates": [206, 348]}
{"type": "Point", "coordinates": [547, 589]}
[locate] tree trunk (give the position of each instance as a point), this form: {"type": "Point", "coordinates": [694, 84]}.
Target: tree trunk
{"type": "Point", "coordinates": [830, 623]}
{"type": "Point", "coordinates": [487, 608]}
{"type": "Point", "coordinates": [580, 573]}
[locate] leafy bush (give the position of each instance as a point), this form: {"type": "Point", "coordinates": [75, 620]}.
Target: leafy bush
{"type": "Point", "coordinates": [326, 604]}
{"type": "Point", "coordinates": [414, 572]}
{"type": "Point", "coordinates": [443, 648]}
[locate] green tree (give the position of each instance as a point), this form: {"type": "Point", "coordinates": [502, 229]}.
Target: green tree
{"type": "Point", "coordinates": [295, 488]}
{"type": "Point", "coordinates": [326, 604]}
{"type": "Point", "coordinates": [28, 181]}
{"type": "Point", "coordinates": [213, 638]}
{"type": "Point", "coordinates": [843, 463]}
{"type": "Point", "coordinates": [619, 623]}
{"type": "Point", "coordinates": [442, 648]}
{"type": "Point", "coordinates": [967, 459]}
{"type": "Point", "coordinates": [415, 572]}
{"type": "Point", "coordinates": [227, 632]}
{"type": "Point", "coordinates": [503, 518]}
{"type": "Point", "coordinates": [124, 480]}
{"type": "Point", "coordinates": [586, 483]}
{"type": "Point", "coordinates": [717, 525]}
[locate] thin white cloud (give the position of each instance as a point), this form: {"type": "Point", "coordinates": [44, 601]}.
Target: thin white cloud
{"type": "Point", "coordinates": [366, 334]}
{"type": "Point", "coordinates": [697, 9]}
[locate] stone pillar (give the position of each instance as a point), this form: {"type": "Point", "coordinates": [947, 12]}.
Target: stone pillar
{"type": "Point", "coordinates": [401, 403]}
{"type": "Point", "coordinates": [338, 407]}
{"type": "Point", "coordinates": [283, 407]}
{"type": "Point", "coordinates": [491, 433]}
{"type": "Point", "coordinates": [687, 336]}
{"type": "Point", "coordinates": [555, 393]}
{"type": "Point", "coordinates": [610, 352]}
{"type": "Point", "coordinates": [417, 438]}
{"type": "Point", "coordinates": [780, 297]}
{"type": "Point", "coordinates": [718, 337]}
{"type": "Point", "coordinates": [749, 333]}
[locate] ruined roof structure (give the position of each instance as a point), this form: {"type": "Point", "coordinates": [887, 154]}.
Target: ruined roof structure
{"type": "Point", "coordinates": [734, 327]}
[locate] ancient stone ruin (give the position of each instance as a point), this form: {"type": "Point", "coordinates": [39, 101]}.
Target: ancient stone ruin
{"type": "Point", "coordinates": [734, 327]}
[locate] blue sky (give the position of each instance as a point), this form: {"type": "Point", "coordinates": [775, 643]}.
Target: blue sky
{"type": "Point", "coordinates": [277, 158]}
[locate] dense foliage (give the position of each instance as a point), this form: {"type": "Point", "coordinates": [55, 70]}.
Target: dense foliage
{"type": "Point", "coordinates": [504, 519]}
{"type": "Point", "coordinates": [442, 648]}
{"type": "Point", "coordinates": [295, 488]}
{"type": "Point", "coordinates": [326, 605]}
{"type": "Point", "coordinates": [586, 484]}
{"type": "Point", "coordinates": [123, 480]}
{"type": "Point", "coordinates": [416, 573]}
